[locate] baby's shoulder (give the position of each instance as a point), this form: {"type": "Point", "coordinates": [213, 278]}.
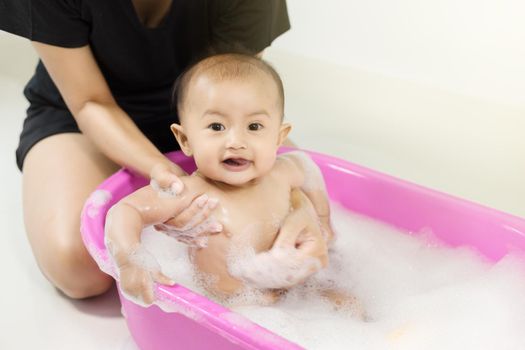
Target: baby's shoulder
{"type": "Point", "coordinates": [286, 166]}
{"type": "Point", "coordinates": [194, 183]}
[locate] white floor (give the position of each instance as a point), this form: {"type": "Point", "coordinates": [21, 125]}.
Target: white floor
{"type": "Point", "coordinates": [369, 126]}
{"type": "Point", "coordinates": [34, 314]}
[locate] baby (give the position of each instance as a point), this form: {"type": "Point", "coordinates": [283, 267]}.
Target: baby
{"type": "Point", "coordinates": [231, 122]}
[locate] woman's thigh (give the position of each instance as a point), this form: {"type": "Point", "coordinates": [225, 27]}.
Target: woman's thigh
{"type": "Point", "coordinates": [59, 173]}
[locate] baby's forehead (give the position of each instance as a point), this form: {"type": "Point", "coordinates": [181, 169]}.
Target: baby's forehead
{"type": "Point", "coordinates": [228, 68]}
{"type": "Point", "coordinates": [209, 81]}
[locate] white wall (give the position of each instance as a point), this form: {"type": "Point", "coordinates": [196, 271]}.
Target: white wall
{"type": "Point", "coordinates": [429, 91]}
{"type": "Point", "coordinates": [475, 47]}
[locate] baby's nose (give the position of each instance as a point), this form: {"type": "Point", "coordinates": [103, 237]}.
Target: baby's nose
{"type": "Point", "coordinates": [236, 140]}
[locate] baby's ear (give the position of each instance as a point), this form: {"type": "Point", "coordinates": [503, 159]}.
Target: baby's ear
{"type": "Point", "coordinates": [182, 139]}
{"type": "Point", "coordinates": [283, 133]}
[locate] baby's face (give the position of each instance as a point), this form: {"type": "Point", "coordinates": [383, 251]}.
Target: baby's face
{"type": "Point", "coordinates": [233, 127]}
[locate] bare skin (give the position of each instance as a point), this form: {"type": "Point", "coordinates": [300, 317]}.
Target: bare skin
{"type": "Point", "coordinates": [59, 173]}
{"type": "Point", "coordinates": [251, 216]}
{"type": "Point", "coordinates": [72, 166]}
{"type": "Point", "coordinates": [151, 12]}
{"type": "Point", "coordinates": [109, 137]}
{"type": "Point", "coordinates": [232, 127]}
{"type": "Point", "coordinates": [247, 223]}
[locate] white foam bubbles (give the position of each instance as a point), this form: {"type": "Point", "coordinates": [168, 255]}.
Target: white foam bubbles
{"type": "Point", "coordinates": [278, 268]}
{"type": "Point", "coordinates": [415, 293]}
{"type": "Point", "coordinates": [165, 192]}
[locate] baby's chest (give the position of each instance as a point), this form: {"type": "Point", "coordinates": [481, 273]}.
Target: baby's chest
{"type": "Point", "coordinates": [253, 220]}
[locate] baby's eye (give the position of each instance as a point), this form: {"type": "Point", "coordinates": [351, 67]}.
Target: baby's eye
{"type": "Point", "coordinates": [255, 126]}
{"type": "Point", "coordinates": [216, 127]}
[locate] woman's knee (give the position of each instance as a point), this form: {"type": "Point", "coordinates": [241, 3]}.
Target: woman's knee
{"type": "Point", "coordinates": [68, 265]}
{"type": "Point", "coordinates": [71, 168]}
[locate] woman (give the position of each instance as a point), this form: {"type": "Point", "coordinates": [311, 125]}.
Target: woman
{"type": "Point", "coordinates": [100, 99]}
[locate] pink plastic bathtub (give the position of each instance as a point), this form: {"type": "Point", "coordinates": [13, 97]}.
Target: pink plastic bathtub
{"type": "Point", "coordinates": [195, 322]}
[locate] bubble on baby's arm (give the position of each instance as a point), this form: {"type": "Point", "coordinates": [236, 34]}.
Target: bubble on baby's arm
{"type": "Point", "coordinates": [277, 268]}
{"type": "Point", "coordinates": [162, 192]}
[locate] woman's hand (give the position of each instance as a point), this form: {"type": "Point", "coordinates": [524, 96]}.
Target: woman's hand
{"type": "Point", "coordinates": [165, 178]}
{"type": "Point", "coordinates": [193, 225]}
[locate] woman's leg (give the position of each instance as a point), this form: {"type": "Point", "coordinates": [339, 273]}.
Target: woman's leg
{"type": "Point", "coordinates": [59, 174]}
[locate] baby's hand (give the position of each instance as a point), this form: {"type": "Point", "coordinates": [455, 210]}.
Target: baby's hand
{"type": "Point", "coordinates": [298, 252]}
{"type": "Point", "coordinates": [137, 272]}
{"type": "Point", "coordinates": [137, 283]}
{"type": "Point", "coordinates": [303, 232]}
{"type": "Point", "coordinates": [327, 230]}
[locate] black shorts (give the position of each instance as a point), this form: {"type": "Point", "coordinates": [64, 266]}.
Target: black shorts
{"type": "Point", "coordinates": [44, 121]}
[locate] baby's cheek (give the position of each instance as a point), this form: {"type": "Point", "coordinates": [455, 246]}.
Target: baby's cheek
{"type": "Point", "coordinates": [265, 162]}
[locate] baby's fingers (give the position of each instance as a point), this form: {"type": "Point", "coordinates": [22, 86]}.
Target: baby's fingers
{"type": "Point", "coordinates": [312, 246]}
{"type": "Point", "coordinates": [147, 294]}
{"type": "Point", "coordinates": [161, 278]}
{"type": "Point", "coordinates": [141, 291]}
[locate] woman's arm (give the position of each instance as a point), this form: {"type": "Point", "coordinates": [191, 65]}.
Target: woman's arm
{"type": "Point", "coordinates": [298, 252]}
{"type": "Point", "coordinates": [87, 95]}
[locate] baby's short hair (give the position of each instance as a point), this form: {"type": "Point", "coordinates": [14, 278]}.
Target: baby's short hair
{"type": "Point", "coordinates": [225, 66]}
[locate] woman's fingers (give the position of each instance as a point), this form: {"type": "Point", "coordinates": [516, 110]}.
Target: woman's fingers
{"type": "Point", "coordinates": [195, 214]}
{"type": "Point", "coordinates": [165, 179]}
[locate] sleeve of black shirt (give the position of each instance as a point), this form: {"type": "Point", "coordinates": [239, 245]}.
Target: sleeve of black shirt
{"type": "Point", "coordinates": [253, 24]}
{"type": "Point", "coordinates": [54, 22]}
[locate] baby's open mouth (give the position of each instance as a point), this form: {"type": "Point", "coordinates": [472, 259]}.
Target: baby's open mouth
{"type": "Point", "coordinates": [236, 163]}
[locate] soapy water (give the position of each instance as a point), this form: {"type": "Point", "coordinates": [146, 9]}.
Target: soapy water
{"type": "Point", "coordinates": [278, 268]}
{"type": "Point", "coordinates": [415, 293]}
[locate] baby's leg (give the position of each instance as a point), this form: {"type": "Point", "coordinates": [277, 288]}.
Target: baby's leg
{"type": "Point", "coordinates": [252, 297]}
{"type": "Point", "coordinates": [344, 301]}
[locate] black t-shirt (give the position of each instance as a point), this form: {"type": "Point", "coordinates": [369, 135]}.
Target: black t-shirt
{"type": "Point", "coordinates": [140, 64]}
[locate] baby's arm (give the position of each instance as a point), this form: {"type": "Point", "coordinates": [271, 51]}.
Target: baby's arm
{"type": "Point", "coordinates": [298, 252]}
{"type": "Point", "coordinates": [136, 269]}
{"type": "Point", "coordinates": [303, 173]}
